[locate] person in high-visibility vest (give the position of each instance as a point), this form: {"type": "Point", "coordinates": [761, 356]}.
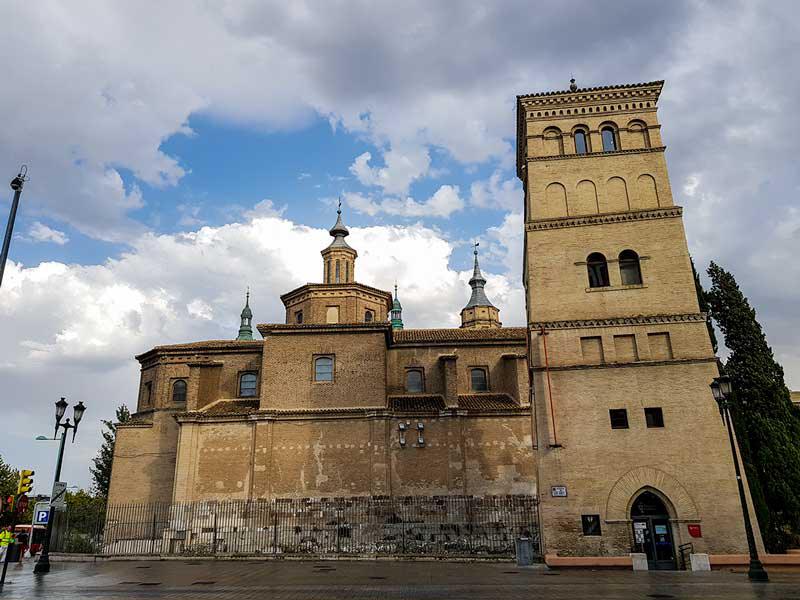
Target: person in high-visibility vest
{"type": "Point", "coordinates": [6, 538]}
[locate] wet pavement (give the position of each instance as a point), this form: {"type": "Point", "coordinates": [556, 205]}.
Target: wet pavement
{"type": "Point", "coordinates": [329, 580]}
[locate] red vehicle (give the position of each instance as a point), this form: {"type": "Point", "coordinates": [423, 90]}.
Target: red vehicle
{"type": "Point", "coordinates": [38, 536]}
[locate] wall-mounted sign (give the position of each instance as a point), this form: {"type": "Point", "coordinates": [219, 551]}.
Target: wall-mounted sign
{"type": "Point", "coordinates": [695, 531]}
{"type": "Point", "coordinates": [558, 491]}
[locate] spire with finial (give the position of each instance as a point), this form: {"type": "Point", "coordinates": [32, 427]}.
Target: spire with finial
{"type": "Point", "coordinates": [572, 85]}
{"type": "Point", "coordinates": [339, 231]}
{"type": "Point", "coordinates": [397, 311]}
{"type": "Point", "coordinates": [246, 327]}
{"type": "Point", "coordinates": [479, 312]}
{"type": "Point", "coordinates": [339, 259]}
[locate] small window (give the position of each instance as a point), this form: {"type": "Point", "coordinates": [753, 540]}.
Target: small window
{"type": "Point", "coordinates": [591, 524]}
{"type": "Point", "coordinates": [323, 368]}
{"type": "Point", "coordinates": [629, 269]}
{"type": "Point", "coordinates": [369, 316]}
{"type": "Point", "coordinates": [598, 270]}
{"type": "Point", "coordinates": [619, 418]}
{"type": "Point", "coordinates": [179, 391]}
{"type": "Point", "coordinates": [332, 314]}
{"type": "Point", "coordinates": [338, 272]}
{"type": "Point", "coordinates": [478, 380]}
{"type": "Point", "coordinates": [553, 142]}
{"type": "Point", "coordinates": [654, 417]}
{"type": "Point", "coordinates": [609, 139]}
{"type": "Point", "coordinates": [414, 381]}
{"type": "Point", "coordinates": [247, 385]}
{"type": "Point", "coordinates": [346, 272]}
{"type": "Point", "coordinates": [581, 143]}
{"type": "Point", "coordinates": [147, 393]}
{"type": "Point", "coordinates": [298, 317]}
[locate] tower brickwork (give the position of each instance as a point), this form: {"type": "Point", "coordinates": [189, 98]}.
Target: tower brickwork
{"type": "Point", "coordinates": [620, 355]}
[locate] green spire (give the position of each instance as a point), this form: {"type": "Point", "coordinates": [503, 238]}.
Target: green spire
{"type": "Point", "coordinates": [246, 328]}
{"type": "Point", "coordinates": [397, 311]}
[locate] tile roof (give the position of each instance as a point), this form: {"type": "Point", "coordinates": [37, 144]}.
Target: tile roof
{"type": "Point", "coordinates": [206, 345]}
{"type": "Point", "coordinates": [411, 336]}
{"type": "Point", "coordinates": [487, 402]}
{"type": "Point", "coordinates": [417, 403]}
{"type": "Point", "coordinates": [592, 89]}
{"type": "Point", "coordinates": [232, 407]}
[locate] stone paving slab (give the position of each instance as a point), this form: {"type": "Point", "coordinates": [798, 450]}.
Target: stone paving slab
{"type": "Point", "coordinates": [371, 580]}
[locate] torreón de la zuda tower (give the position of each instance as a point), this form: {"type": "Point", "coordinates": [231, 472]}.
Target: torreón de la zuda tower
{"type": "Point", "coordinates": [632, 453]}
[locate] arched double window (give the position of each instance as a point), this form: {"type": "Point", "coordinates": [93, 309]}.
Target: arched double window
{"type": "Point", "coordinates": [581, 141]}
{"type": "Point", "coordinates": [478, 380]}
{"type": "Point", "coordinates": [609, 137]}
{"type": "Point", "coordinates": [414, 381]}
{"type": "Point", "coordinates": [179, 391]}
{"type": "Point", "coordinates": [323, 368]}
{"type": "Point", "coordinates": [247, 385]}
{"type": "Point", "coordinates": [597, 268]}
{"type": "Point", "coordinates": [630, 270]}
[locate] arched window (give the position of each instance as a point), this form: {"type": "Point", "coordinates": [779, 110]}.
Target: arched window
{"type": "Point", "coordinates": [629, 269]}
{"type": "Point", "coordinates": [338, 271]}
{"type": "Point", "coordinates": [414, 383]}
{"type": "Point", "coordinates": [247, 385]}
{"type": "Point", "coordinates": [609, 138]}
{"type": "Point", "coordinates": [346, 271]}
{"type": "Point", "coordinates": [179, 391]}
{"type": "Point", "coordinates": [478, 381]}
{"type": "Point", "coordinates": [369, 316]}
{"type": "Point", "coordinates": [553, 142]}
{"type": "Point", "coordinates": [323, 368]}
{"type": "Point", "coordinates": [638, 134]}
{"type": "Point", "coordinates": [597, 267]}
{"type": "Point", "coordinates": [581, 141]}
{"type": "Point", "coordinates": [298, 317]}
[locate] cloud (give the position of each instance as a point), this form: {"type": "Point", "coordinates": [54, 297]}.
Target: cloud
{"type": "Point", "coordinates": [39, 232]}
{"type": "Point", "coordinates": [403, 167]}
{"type": "Point", "coordinates": [498, 193]}
{"type": "Point", "coordinates": [443, 203]}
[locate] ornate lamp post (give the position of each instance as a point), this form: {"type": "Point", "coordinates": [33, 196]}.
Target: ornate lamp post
{"type": "Point", "coordinates": [43, 565]}
{"type": "Point", "coordinates": [16, 184]}
{"type": "Point", "coordinates": [722, 389]}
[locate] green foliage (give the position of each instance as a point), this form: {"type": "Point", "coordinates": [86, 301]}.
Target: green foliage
{"type": "Point", "coordinates": [767, 425]}
{"type": "Point", "coordinates": [702, 300]}
{"type": "Point", "coordinates": [101, 471]}
{"type": "Point", "coordinates": [9, 477]}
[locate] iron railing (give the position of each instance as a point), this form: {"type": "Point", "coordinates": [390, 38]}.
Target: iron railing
{"type": "Point", "coordinates": [377, 525]}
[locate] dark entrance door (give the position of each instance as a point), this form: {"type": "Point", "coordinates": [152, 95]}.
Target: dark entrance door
{"type": "Point", "coordinates": [652, 533]}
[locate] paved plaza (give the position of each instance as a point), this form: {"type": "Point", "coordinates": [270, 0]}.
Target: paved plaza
{"type": "Point", "coordinates": [328, 580]}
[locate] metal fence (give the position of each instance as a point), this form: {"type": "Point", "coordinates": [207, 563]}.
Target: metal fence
{"type": "Point", "coordinates": [378, 525]}
{"type": "Point", "coordinates": [79, 529]}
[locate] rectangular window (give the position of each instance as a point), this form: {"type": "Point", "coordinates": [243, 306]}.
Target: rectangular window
{"type": "Point", "coordinates": [592, 350]}
{"type": "Point", "coordinates": [478, 380]}
{"type": "Point", "coordinates": [248, 383]}
{"type": "Point", "coordinates": [619, 418]}
{"type": "Point", "coordinates": [332, 315]}
{"type": "Point", "coordinates": [298, 317]}
{"type": "Point", "coordinates": [323, 368]}
{"type": "Point", "coordinates": [591, 524]}
{"type": "Point", "coordinates": [625, 348]}
{"type": "Point", "coordinates": [147, 393]}
{"type": "Point", "coordinates": [660, 346]}
{"type": "Point", "coordinates": [654, 416]}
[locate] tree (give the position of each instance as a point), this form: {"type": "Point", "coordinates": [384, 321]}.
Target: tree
{"type": "Point", "coordinates": [767, 426]}
{"type": "Point", "coordinates": [101, 471]}
{"type": "Point", "coordinates": [9, 478]}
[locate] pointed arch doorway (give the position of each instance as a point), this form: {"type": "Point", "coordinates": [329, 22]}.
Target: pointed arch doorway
{"type": "Point", "coordinates": [652, 532]}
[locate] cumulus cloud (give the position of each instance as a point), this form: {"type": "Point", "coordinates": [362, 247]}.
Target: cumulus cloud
{"type": "Point", "coordinates": [39, 232]}
{"type": "Point", "coordinates": [443, 203]}
{"type": "Point", "coordinates": [403, 167]}
{"type": "Point", "coordinates": [498, 193]}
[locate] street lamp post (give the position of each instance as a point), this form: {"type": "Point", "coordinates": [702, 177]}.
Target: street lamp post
{"type": "Point", "coordinates": [43, 564]}
{"type": "Point", "coordinates": [16, 185]}
{"type": "Point", "coordinates": [722, 389]}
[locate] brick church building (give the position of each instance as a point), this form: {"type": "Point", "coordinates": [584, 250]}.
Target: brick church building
{"type": "Point", "coordinates": [599, 410]}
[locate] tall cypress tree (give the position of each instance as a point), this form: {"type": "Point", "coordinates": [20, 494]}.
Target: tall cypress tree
{"type": "Point", "coordinates": [767, 426]}
{"type": "Point", "coordinates": [702, 300]}
{"type": "Point", "coordinates": [101, 471]}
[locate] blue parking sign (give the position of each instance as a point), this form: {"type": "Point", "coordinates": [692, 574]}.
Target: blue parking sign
{"type": "Point", "coordinates": [41, 517]}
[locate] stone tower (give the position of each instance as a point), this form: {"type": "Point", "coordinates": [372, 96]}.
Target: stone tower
{"type": "Point", "coordinates": [339, 259]}
{"type": "Point", "coordinates": [479, 312]}
{"type": "Point", "coordinates": [620, 355]}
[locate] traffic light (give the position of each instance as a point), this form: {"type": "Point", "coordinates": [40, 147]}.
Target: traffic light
{"type": "Point", "coordinates": [7, 503]}
{"type": "Point", "coordinates": [25, 481]}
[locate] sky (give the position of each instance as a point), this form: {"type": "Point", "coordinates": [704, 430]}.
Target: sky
{"type": "Point", "coordinates": [179, 152]}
